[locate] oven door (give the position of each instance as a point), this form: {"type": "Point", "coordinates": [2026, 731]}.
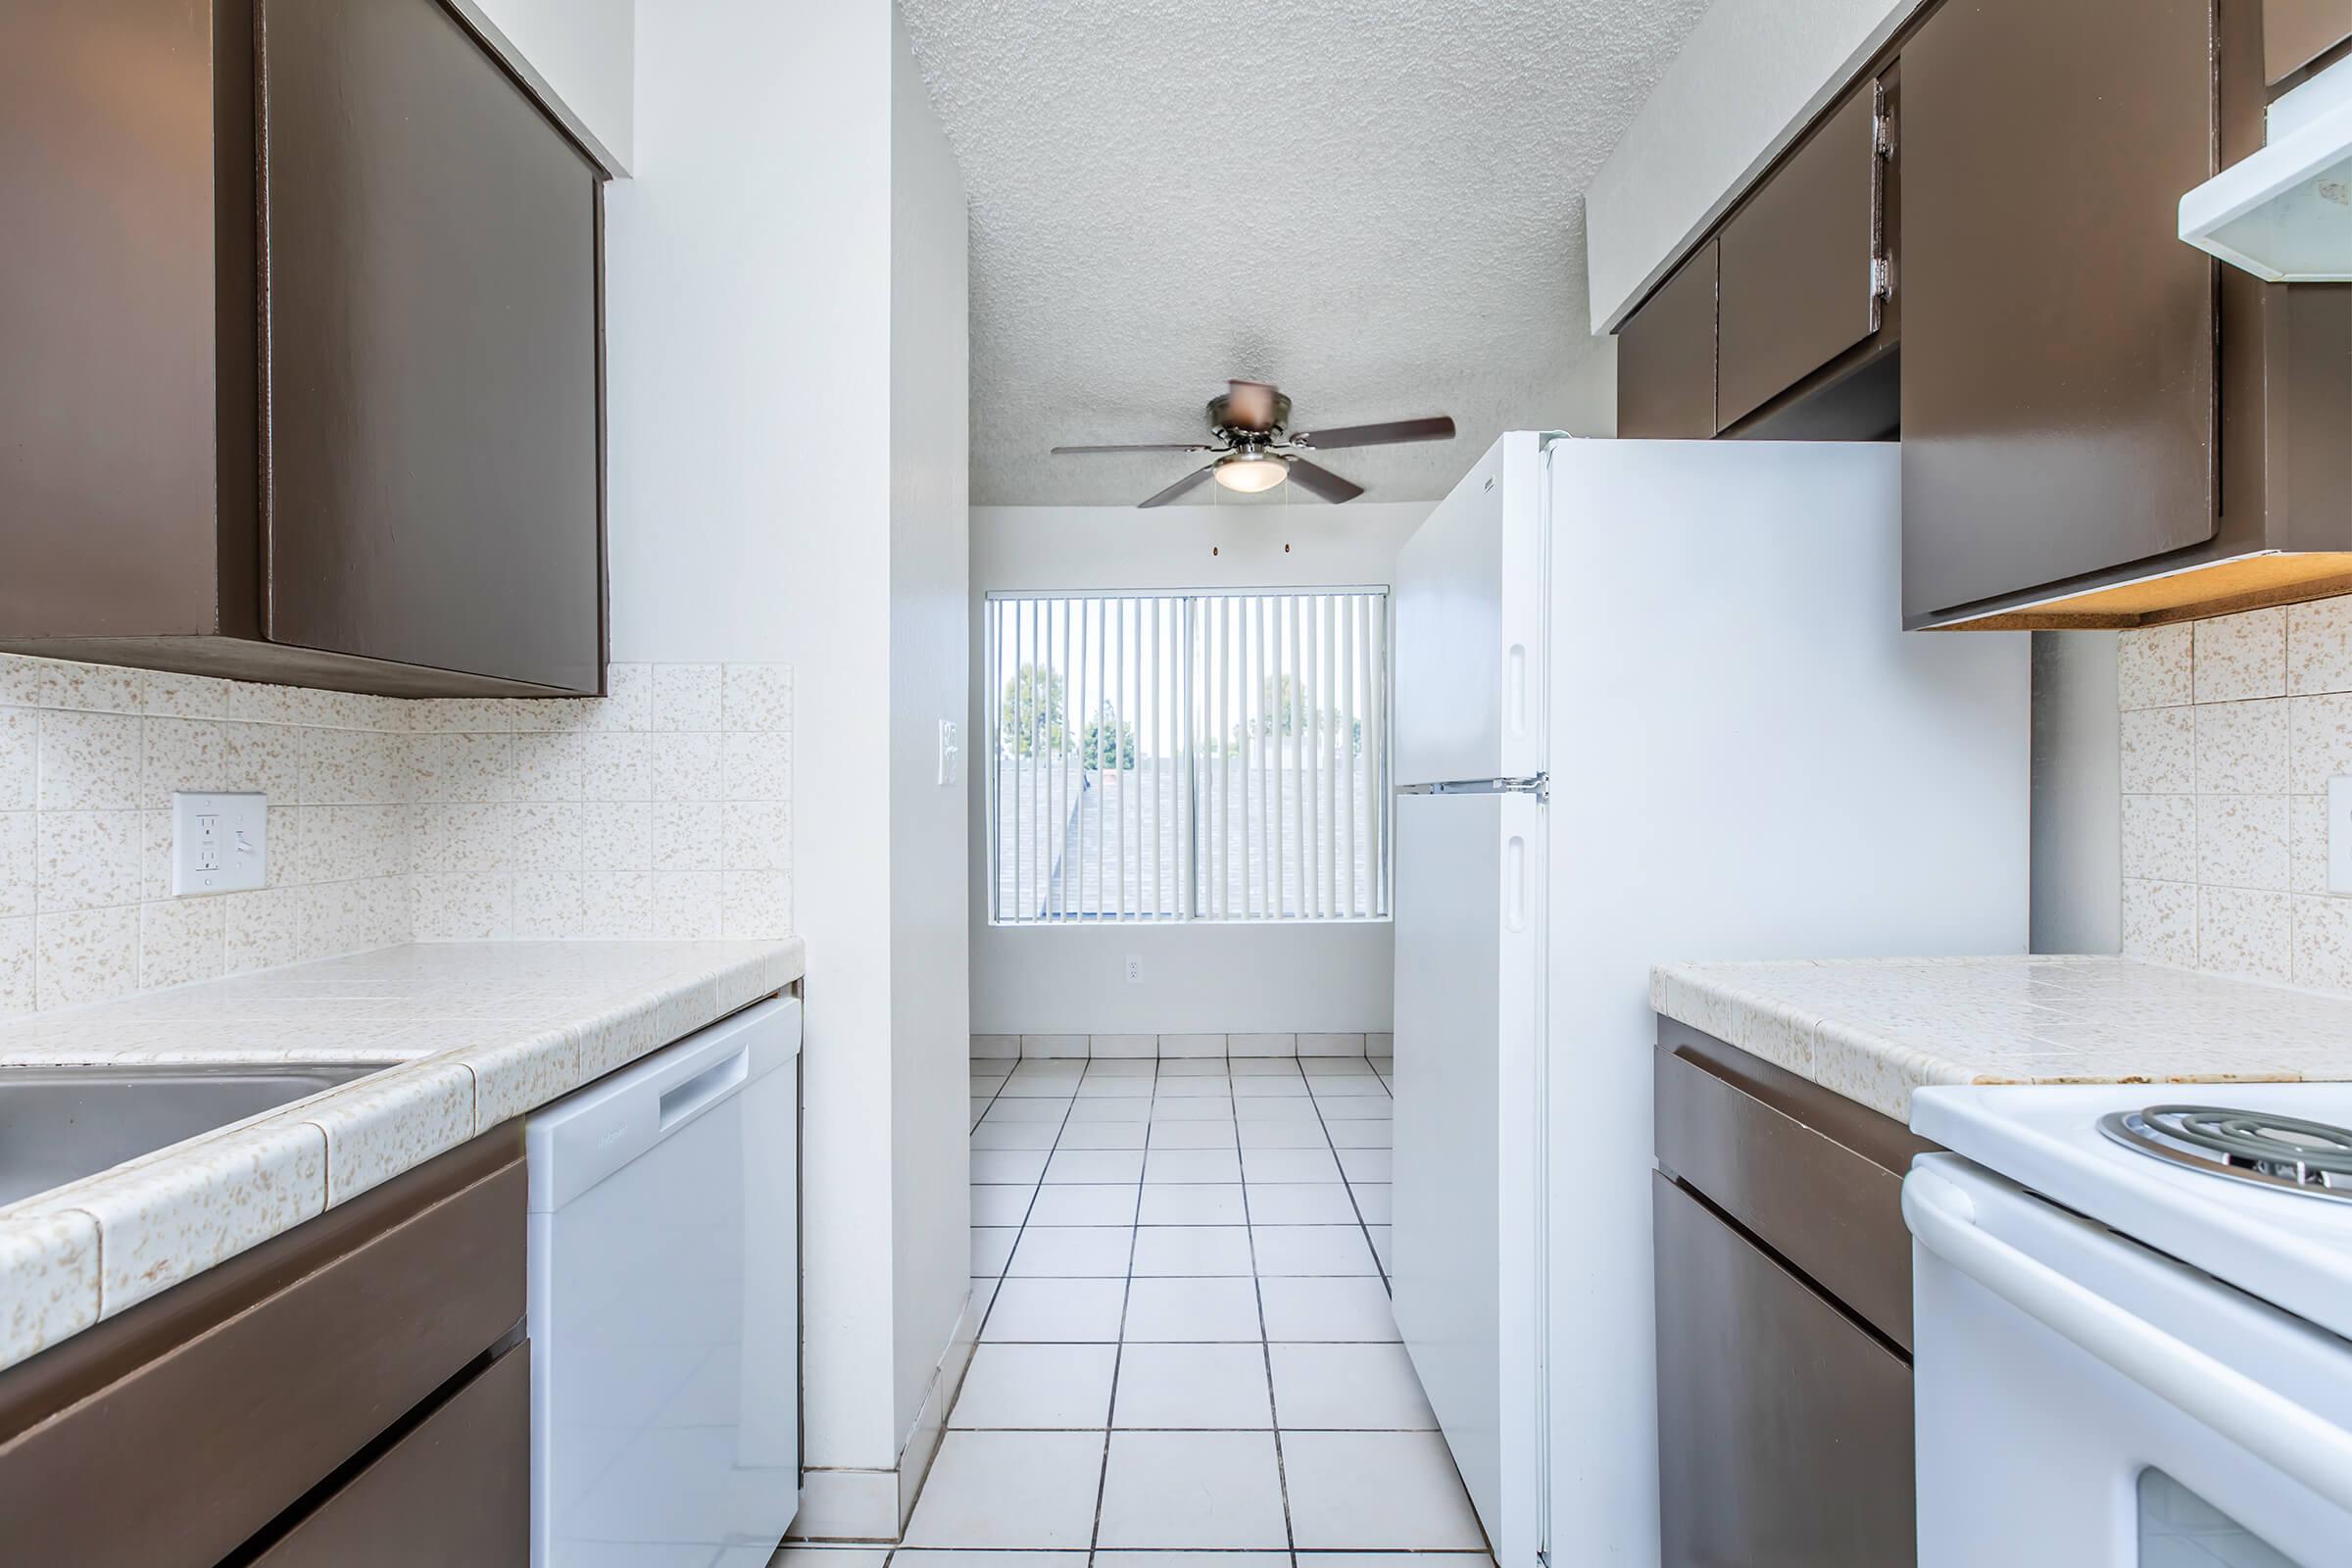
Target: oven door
{"type": "Point", "coordinates": [2085, 1402]}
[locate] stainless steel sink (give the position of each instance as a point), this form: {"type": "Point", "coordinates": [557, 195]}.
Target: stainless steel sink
{"type": "Point", "coordinates": [60, 1124]}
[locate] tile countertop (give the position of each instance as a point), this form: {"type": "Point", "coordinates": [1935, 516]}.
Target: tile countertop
{"type": "Point", "coordinates": [480, 1032]}
{"type": "Point", "coordinates": [1874, 1029]}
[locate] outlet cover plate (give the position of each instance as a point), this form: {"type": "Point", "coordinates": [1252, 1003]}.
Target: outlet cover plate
{"type": "Point", "coordinates": [220, 841]}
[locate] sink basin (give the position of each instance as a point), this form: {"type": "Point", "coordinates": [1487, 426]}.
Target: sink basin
{"type": "Point", "coordinates": [60, 1124]}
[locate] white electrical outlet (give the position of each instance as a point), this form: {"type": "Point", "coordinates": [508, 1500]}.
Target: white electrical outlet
{"type": "Point", "coordinates": [951, 751]}
{"type": "Point", "coordinates": [1134, 969]}
{"type": "Point", "coordinates": [2339, 835]}
{"type": "Point", "coordinates": [220, 841]}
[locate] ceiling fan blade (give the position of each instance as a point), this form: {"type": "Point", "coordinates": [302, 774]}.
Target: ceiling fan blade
{"type": "Point", "coordinates": [1318, 480]}
{"type": "Point", "coordinates": [1252, 404]}
{"type": "Point", "coordinates": [1179, 487]}
{"type": "Point", "coordinates": [1152, 446]}
{"type": "Point", "coordinates": [1437, 429]}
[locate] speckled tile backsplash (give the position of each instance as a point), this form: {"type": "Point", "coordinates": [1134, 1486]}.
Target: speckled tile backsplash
{"type": "Point", "coordinates": [2231, 729]}
{"type": "Point", "coordinates": [663, 810]}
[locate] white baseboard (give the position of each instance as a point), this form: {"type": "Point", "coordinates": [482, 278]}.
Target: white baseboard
{"type": "Point", "coordinates": [1050, 1048]}
{"type": "Point", "coordinates": [847, 1505]}
{"type": "Point", "coordinates": [930, 1426]}
{"type": "Point", "coordinates": [872, 1506]}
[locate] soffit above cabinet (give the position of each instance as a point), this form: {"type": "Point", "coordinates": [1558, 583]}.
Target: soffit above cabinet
{"type": "Point", "coordinates": [1753, 77]}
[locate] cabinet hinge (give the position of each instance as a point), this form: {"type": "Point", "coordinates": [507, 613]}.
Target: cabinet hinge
{"type": "Point", "coordinates": [1882, 147]}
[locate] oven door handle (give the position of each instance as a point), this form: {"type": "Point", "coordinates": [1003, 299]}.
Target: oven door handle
{"type": "Point", "coordinates": [2273, 1428]}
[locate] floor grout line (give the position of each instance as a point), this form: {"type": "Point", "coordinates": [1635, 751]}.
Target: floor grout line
{"type": "Point", "coordinates": [1386, 1284]}
{"type": "Point", "coordinates": [1118, 1356]}
{"type": "Point", "coordinates": [1265, 1346]}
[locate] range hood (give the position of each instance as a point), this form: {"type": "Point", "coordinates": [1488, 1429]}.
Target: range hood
{"type": "Point", "coordinates": [2284, 214]}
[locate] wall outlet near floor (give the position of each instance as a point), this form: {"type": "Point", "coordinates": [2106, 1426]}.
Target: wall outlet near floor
{"type": "Point", "coordinates": [220, 841]}
{"type": "Point", "coordinates": [1135, 968]}
{"type": "Point", "coordinates": [2339, 835]}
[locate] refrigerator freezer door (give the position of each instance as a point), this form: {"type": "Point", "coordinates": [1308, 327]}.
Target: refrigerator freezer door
{"type": "Point", "coordinates": [1468, 1147]}
{"type": "Point", "coordinates": [1470, 601]}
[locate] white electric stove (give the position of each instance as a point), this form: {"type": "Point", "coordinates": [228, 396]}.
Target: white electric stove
{"type": "Point", "coordinates": [2131, 1305]}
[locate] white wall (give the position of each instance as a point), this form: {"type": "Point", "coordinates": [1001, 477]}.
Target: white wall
{"type": "Point", "coordinates": [578, 54]}
{"type": "Point", "coordinates": [1751, 76]}
{"type": "Point", "coordinates": [929, 526]}
{"type": "Point", "coordinates": [2078, 809]}
{"type": "Point", "coordinates": [1196, 977]}
{"type": "Point", "coordinates": [760, 490]}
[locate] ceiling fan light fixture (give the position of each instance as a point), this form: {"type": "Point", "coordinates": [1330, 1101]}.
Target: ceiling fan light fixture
{"type": "Point", "coordinates": [1251, 475]}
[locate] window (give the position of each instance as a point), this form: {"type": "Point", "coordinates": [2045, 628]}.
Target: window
{"type": "Point", "coordinates": [1187, 755]}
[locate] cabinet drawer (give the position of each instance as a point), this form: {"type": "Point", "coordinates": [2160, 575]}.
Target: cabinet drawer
{"type": "Point", "coordinates": [1784, 1431]}
{"type": "Point", "coordinates": [209, 1409]}
{"type": "Point", "coordinates": [1797, 289]}
{"type": "Point", "coordinates": [2295, 33]}
{"type": "Point", "coordinates": [1666, 358]}
{"type": "Point", "coordinates": [1817, 1177]}
{"type": "Point", "coordinates": [455, 1489]}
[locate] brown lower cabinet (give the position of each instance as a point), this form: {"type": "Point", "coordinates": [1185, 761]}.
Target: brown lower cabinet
{"type": "Point", "coordinates": [1784, 1317]}
{"type": "Point", "coordinates": [354, 1391]}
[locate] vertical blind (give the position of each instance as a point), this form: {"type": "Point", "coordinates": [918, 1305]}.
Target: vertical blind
{"type": "Point", "coordinates": [1187, 755]}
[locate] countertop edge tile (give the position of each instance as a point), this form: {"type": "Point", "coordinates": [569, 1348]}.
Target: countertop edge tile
{"type": "Point", "coordinates": [50, 1263]}
{"type": "Point", "coordinates": [1875, 1030]}
{"type": "Point", "coordinates": [473, 1035]}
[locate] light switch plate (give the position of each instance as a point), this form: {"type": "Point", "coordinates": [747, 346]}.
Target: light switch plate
{"type": "Point", "coordinates": [220, 841]}
{"type": "Point", "coordinates": [951, 751]}
{"type": "Point", "coordinates": [2339, 835]}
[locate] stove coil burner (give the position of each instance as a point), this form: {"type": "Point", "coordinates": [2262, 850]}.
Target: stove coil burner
{"type": "Point", "coordinates": [2259, 1148]}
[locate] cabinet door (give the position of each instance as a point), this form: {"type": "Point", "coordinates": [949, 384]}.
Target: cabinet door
{"type": "Point", "coordinates": [1666, 358]}
{"type": "Point", "coordinates": [1797, 286]}
{"type": "Point", "coordinates": [432, 450]}
{"type": "Point", "coordinates": [2058, 338]}
{"type": "Point", "coordinates": [2295, 33]}
{"type": "Point", "coordinates": [1784, 1430]}
{"type": "Point", "coordinates": [457, 1489]}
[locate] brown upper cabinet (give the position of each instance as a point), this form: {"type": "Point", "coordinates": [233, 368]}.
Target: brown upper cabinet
{"type": "Point", "coordinates": [2296, 33]}
{"type": "Point", "coordinates": [1666, 358]}
{"type": "Point", "coordinates": [1805, 275]}
{"type": "Point", "coordinates": [1784, 325]}
{"type": "Point", "coordinates": [2101, 425]}
{"type": "Point", "coordinates": [2058, 346]}
{"type": "Point", "coordinates": [304, 381]}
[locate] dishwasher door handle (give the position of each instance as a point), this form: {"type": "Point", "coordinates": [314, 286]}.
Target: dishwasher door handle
{"type": "Point", "coordinates": [682, 1102]}
{"type": "Point", "coordinates": [2273, 1428]}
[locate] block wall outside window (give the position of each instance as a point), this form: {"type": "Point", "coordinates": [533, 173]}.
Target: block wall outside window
{"type": "Point", "coordinates": [1182, 757]}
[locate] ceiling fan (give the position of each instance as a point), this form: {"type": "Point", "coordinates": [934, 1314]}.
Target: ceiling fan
{"type": "Point", "coordinates": [1255, 449]}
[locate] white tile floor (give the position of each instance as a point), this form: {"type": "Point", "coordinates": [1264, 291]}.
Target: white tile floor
{"type": "Point", "coordinates": [1188, 1346]}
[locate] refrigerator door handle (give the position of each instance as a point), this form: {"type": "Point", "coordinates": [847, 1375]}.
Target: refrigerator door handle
{"type": "Point", "coordinates": [1539, 785]}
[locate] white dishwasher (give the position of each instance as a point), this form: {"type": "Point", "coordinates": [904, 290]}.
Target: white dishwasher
{"type": "Point", "coordinates": [664, 1304]}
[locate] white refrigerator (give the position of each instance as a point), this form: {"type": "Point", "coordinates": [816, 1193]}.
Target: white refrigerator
{"type": "Point", "coordinates": [1653, 702]}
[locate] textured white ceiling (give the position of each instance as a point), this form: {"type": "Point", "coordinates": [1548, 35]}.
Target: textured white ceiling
{"type": "Point", "coordinates": [1375, 203]}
